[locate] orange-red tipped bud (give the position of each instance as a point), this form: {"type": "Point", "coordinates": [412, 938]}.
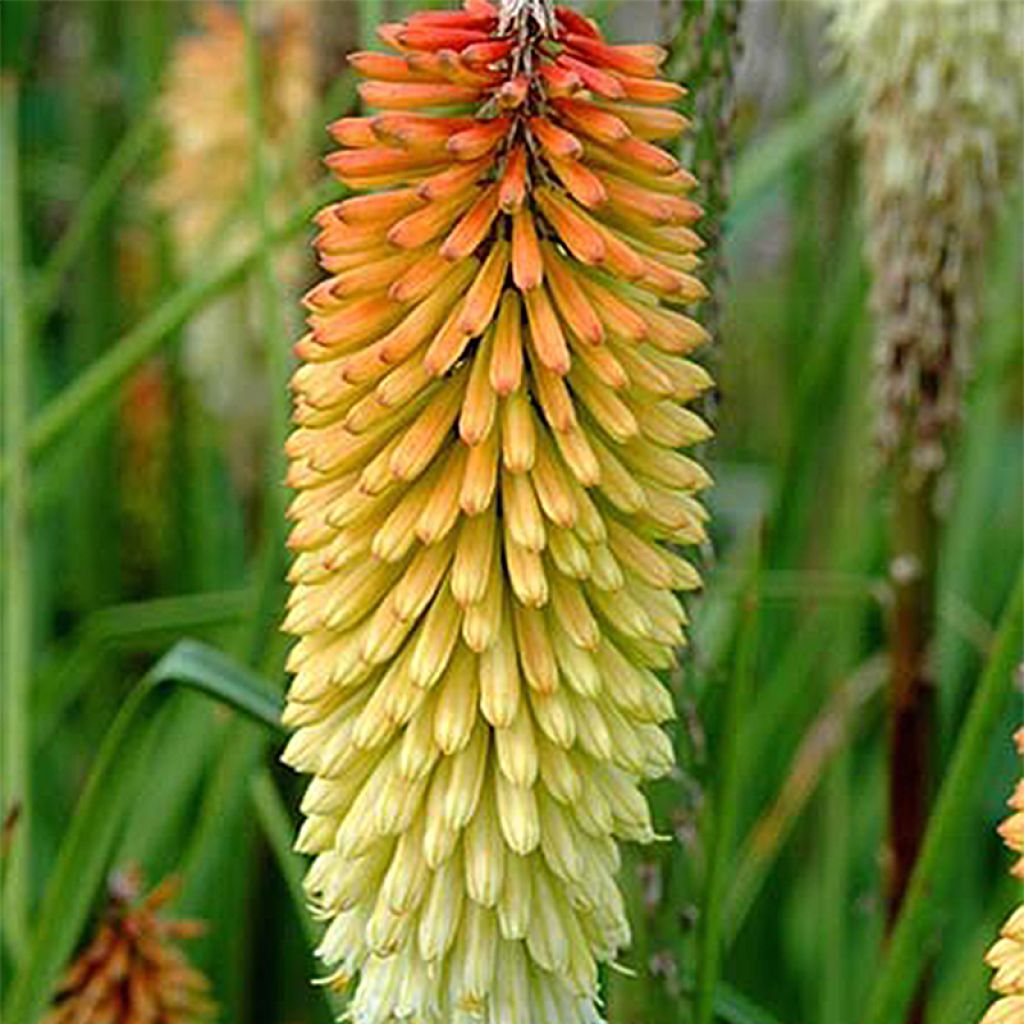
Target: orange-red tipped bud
{"type": "Point", "coordinates": [578, 233]}
{"type": "Point", "coordinates": [446, 183]}
{"type": "Point", "coordinates": [651, 122]}
{"type": "Point", "coordinates": [506, 368]}
{"type": "Point", "coordinates": [591, 121]}
{"type": "Point", "coordinates": [485, 54]}
{"type": "Point", "coordinates": [421, 278]}
{"type": "Point", "coordinates": [385, 67]}
{"type": "Point", "coordinates": [572, 302]}
{"type": "Point", "coordinates": [597, 81]}
{"type": "Point", "coordinates": [417, 132]}
{"type": "Point", "coordinates": [580, 182]}
{"type": "Point", "coordinates": [527, 268]}
{"type": "Point", "coordinates": [473, 228]}
{"type": "Point", "coordinates": [513, 181]}
{"type": "Point", "coordinates": [430, 222]}
{"type": "Point", "coordinates": [482, 298]}
{"type": "Point", "coordinates": [643, 90]}
{"type": "Point", "coordinates": [579, 24]}
{"type": "Point", "coordinates": [429, 37]}
{"type": "Point", "coordinates": [353, 131]}
{"type": "Point", "coordinates": [513, 93]}
{"type": "Point", "coordinates": [642, 61]}
{"type": "Point", "coordinates": [555, 140]}
{"type": "Point", "coordinates": [355, 165]}
{"type": "Point", "coordinates": [416, 96]}
{"type": "Point", "coordinates": [474, 142]}
{"type": "Point", "coordinates": [546, 332]}
{"type": "Point", "coordinates": [559, 81]}
{"type": "Point", "coordinates": [385, 206]}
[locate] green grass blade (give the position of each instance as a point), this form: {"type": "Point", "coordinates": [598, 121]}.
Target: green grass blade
{"type": "Point", "coordinates": [279, 831]}
{"type": "Point", "coordinates": [16, 620]}
{"type": "Point", "coordinates": [909, 945]}
{"type": "Point", "coordinates": [723, 808]}
{"type": "Point", "coordinates": [90, 837]}
{"type": "Point", "coordinates": [89, 213]}
{"type": "Point", "coordinates": [134, 626]}
{"type": "Point", "coordinates": [275, 325]}
{"type": "Point", "coordinates": [732, 1007]}
{"type": "Point", "coordinates": [370, 16]}
{"type": "Point", "coordinates": [824, 741]}
{"type": "Point", "coordinates": [205, 669]}
{"type": "Point", "coordinates": [82, 861]}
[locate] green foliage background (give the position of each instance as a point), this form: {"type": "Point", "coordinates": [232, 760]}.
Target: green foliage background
{"type": "Point", "coordinates": [773, 823]}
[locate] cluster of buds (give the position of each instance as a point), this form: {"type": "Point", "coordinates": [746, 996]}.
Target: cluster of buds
{"type": "Point", "coordinates": [940, 118]}
{"type": "Point", "coordinates": [132, 972]}
{"type": "Point", "coordinates": [488, 413]}
{"type": "Point", "coordinates": [206, 179]}
{"type": "Point", "coordinates": [1006, 957]}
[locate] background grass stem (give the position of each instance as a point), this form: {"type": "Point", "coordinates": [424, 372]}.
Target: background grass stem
{"type": "Point", "coordinates": [17, 575]}
{"type": "Point", "coordinates": [723, 806]}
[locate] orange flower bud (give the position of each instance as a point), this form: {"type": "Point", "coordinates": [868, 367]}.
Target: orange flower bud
{"type": "Point", "coordinates": [513, 181]}
{"type": "Point", "coordinates": [527, 269]}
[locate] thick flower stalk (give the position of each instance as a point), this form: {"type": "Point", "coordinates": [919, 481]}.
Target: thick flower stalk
{"type": "Point", "coordinates": [206, 180]}
{"type": "Point", "coordinates": [1006, 957]}
{"type": "Point", "coordinates": [489, 494]}
{"type": "Point", "coordinates": [132, 971]}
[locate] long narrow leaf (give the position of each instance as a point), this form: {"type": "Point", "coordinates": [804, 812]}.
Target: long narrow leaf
{"type": "Point", "coordinates": [723, 808]}
{"type": "Point", "coordinates": [134, 626]}
{"type": "Point", "coordinates": [199, 667]}
{"type": "Point", "coordinates": [102, 192]}
{"type": "Point", "coordinates": [15, 590]}
{"type": "Point", "coordinates": [731, 1006]}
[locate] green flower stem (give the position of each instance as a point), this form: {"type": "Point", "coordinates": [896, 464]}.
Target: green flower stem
{"type": "Point", "coordinates": [89, 214]}
{"type": "Point", "coordinates": [909, 944]}
{"type": "Point", "coordinates": [15, 803]}
{"type": "Point", "coordinates": [275, 338]}
{"type": "Point", "coordinates": [723, 807]}
{"type": "Point", "coordinates": [825, 742]}
{"type": "Point", "coordinates": [270, 562]}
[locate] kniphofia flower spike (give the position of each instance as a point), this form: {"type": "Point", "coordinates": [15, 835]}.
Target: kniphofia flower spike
{"type": "Point", "coordinates": [489, 407]}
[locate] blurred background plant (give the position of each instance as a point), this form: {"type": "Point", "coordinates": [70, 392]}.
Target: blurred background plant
{"type": "Point", "coordinates": [132, 971]}
{"type": "Point", "coordinates": [128, 525]}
